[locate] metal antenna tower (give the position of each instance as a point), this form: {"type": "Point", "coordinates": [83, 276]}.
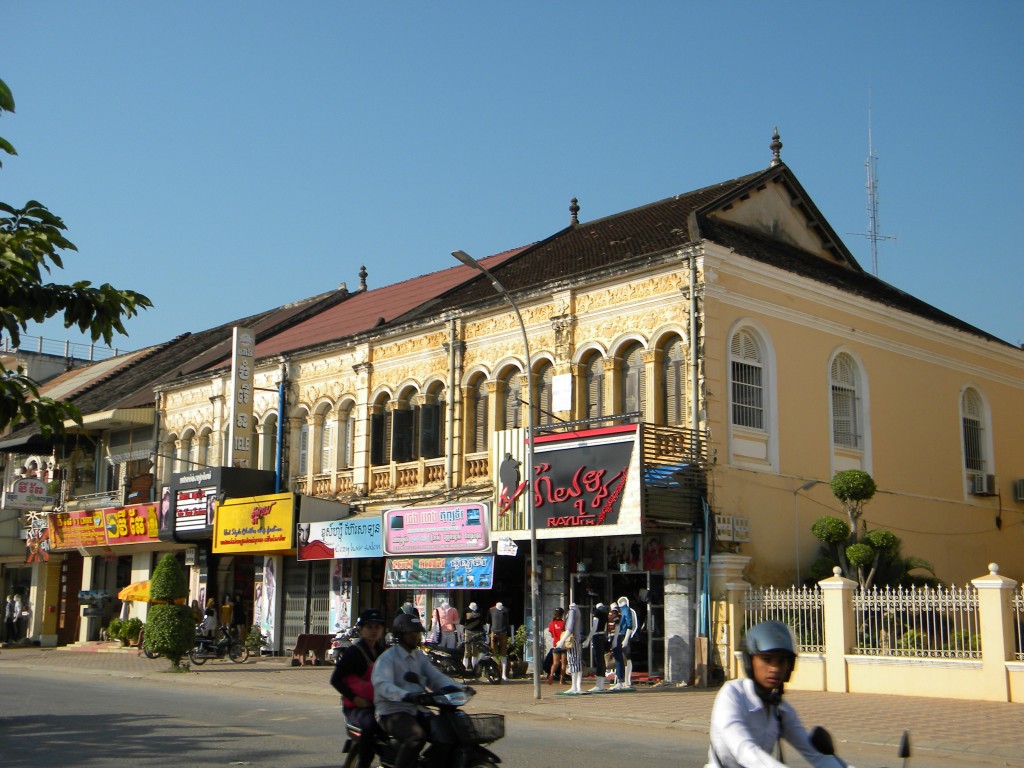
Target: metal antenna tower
{"type": "Point", "coordinates": [871, 167]}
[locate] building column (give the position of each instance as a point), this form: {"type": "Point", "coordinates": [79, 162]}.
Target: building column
{"type": "Point", "coordinates": [680, 607]}
{"type": "Point", "coordinates": [840, 628]}
{"type": "Point", "coordinates": [996, 616]}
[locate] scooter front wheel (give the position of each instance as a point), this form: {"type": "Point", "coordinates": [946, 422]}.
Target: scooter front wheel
{"type": "Point", "coordinates": [197, 657]}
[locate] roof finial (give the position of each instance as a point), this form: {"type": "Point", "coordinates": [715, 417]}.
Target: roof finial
{"type": "Point", "coordinates": [776, 147]}
{"type": "Point", "coordinates": [574, 210]}
{"type": "Point", "coordinates": [362, 277]}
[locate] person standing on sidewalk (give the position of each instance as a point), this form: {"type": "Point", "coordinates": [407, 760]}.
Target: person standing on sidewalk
{"type": "Point", "coordinates": [749, 719]}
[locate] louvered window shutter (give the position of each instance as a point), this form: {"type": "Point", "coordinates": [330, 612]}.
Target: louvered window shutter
{"type": "Point", "coordinates": [747, 385]}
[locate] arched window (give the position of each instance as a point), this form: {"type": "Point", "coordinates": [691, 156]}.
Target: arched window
{"type": "Point", "coordinates": [304, 448]}
{"type": "Point", "coordinates": [202, 451]}
{"type": "Point", "coordinates": [846, 403]}
{"type": "Point", "coordinates": [544, 376]}
{"type": "Point", "coordinates": [594, 392]}
{"type": "Point", "coordinates": [511, 401]}
{"type": "Point", "coordinates": [380, 432]}
{"type": "Point", "coordinates": [347, 425]}
{"type": "Point", "coordinates": [633, 380]}
{"type": "Point", "coordinates": [189, 449]}
{"type": "Point", "coordinates": [325, 447]}
{"type": "Point", "coordinates": [973, 419]}
{"type": "Point", "coordinates": [268, 442]}
{"type": "Point", "coordinates": [431, 422]}
{"type": "Point", "coordinates": [674, 382]}
{"type": "Point", "coordinates": [480, 418]}
{"type": "Point", "coordinates": [747, 381]}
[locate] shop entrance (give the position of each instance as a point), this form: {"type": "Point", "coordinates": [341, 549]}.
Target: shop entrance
{"type": "Point", "coordinates": [645, 591]}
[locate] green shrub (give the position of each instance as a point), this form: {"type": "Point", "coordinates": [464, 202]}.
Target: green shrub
{"type": "Point", "coordinates": [168, 582]}
{"type": "Point", "coordinates": [114, 629]}
{"type": "Point", "coordinates": [171, 630]}
{"type": "Point", "coordinates": [129, 630]}
{"type": "Point", "coordinates": [831, 530]}
{"type": "Point", "coordinates": [256, 639]}
{"type": "Point", "coordinates": [860, 555]}
{"type": "Point", "coordinates": [912, 640]}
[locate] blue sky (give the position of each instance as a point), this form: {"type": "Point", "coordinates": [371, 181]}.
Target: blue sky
{"type": "Point", "coordinates": [228, 157]}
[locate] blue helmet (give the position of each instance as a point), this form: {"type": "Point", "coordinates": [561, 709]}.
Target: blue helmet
{"type": "Point", "coordinates": [764, 637]}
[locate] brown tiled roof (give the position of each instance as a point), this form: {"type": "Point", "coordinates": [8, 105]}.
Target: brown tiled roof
{"type": "Point", "coordinates": [861, 283]}
{"type": "Point", "coordinates": [598, 245]}
{"type": "Point", "coordinates": [370, 309]}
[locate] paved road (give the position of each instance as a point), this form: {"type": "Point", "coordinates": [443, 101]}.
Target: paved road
{"type": "Point", "coordinates": [948, 731]}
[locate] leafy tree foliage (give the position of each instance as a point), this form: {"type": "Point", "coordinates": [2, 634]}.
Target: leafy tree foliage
{"type": "Point", "coordinates": [170, 628]}
{"type": "Point", "coordinates": [853, 488]}
{"type": "Point", "coordinates": [876, 558]}
{"type": "Point", "coordinates": [31, 241]}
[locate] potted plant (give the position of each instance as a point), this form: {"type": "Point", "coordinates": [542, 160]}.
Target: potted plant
{"type": "Point", "coordinates": [256, 639]}
{"type": "Point", "coordinates": [114, 629]}
{"type": "Point", "coordinates": [516, 653]}
{"type": "Point", "coordinates": [130, 631]}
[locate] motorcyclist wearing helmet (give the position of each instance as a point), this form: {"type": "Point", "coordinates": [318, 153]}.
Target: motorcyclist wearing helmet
{"type": "Point", "coordinates": [400, 677]}
{"type": "Point", "coordinates": [749, 718]}
{"type": "Point", "coordinates": [352, 679]}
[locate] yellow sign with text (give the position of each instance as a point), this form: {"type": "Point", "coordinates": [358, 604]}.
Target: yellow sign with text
{"type": "Point", "coordinates": [256, 525]}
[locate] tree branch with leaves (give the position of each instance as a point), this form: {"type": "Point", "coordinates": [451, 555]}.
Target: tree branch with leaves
{"type": "Point", "coordinates": [31, 241]}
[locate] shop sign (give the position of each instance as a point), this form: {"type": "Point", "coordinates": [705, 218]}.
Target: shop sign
{"type": "Point", "coordinates": [339, 539]}
{"type": "Point", "coordinates": [579, 478]}
{"type": "Point", "coordinates": [134, 524]}
{"type": "Point", "coordinates": [81, 528]}
{"type": "Point", "coordinates": [437, 530]}
{"type": "Point", "coordinates": [451, 572]}
{"type": "Point", "coordinates": [258, 524]}
{"type": "Point", "coordinates": [27, 493]}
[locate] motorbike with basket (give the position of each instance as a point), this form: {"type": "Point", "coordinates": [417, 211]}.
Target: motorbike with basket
{"type": "Point", "coordinates": [228, 645]}
{"type": "Point", "coordinates": [456, 739]}
{"type": "Point", "coordinates": [450, 661]}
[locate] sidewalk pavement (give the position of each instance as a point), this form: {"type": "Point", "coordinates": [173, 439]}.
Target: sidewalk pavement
{"type": "Point", "coordinates": [970, 728]}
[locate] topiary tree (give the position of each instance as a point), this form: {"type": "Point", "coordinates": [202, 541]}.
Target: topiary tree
{"type": "Point", "coordinates": [834, 533]}
{"type": "Point", "coordinates": [170, 629]}
{"type": "Point", "coordinates": [877, 557]}
{"type": "Point", "coordinates": [853, 488]}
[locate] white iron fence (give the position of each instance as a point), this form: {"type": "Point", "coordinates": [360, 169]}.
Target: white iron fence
{"type": "Point", "coordinates": [928, 622]}
{"type": "Point", "coordinates": [940, 622]}
{"type": "Point", "coordinates": [800, 609]}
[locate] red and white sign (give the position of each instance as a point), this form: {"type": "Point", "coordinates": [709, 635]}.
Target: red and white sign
{"type": "Point", "coordinates": [27, 493]}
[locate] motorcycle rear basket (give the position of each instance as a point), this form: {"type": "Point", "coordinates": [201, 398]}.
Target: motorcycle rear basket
{"type": "Point", "coordinates": [478, 728]}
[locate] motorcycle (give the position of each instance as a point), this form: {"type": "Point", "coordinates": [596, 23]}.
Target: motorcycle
{"type": "Point", "coordinates": [343, 638]}
{"type": "Point", "coordinates": [209, 648]}
{"type": "Point", "coordinates": [456, 738]}
{"type": "Point", "coordinates": [450, 661]}
{"type": "Point", "coordinates": [821, 740]}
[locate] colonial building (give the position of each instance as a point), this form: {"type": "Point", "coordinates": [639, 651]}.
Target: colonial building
{"type": "Point", "coordinates": [694, 371]}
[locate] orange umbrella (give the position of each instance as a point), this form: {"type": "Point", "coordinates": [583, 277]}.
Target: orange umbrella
{"type": "Point", "coordinates": [137, 591]}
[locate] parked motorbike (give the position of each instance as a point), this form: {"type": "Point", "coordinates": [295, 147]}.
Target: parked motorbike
{"type": "Point", "coordinates": [211, 648]}
{"type": "Point", "coordinates": [450, 661]}
{"type": "Point", "coordinates": [343, 638]}
{"type": "Point", "coordinates": [456, 738]}
{"type": "Point", "coordinates": [821, 740]}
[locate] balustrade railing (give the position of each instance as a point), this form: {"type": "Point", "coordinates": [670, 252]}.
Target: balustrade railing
{"type": "Point", "coordinates": [799, 608]}
{"type": "Point", "coordinates": [935, 622]}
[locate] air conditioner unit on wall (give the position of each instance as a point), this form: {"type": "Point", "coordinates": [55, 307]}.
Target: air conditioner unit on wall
{"type": "Point", "coordinates": [1018, 490]}
{"type": "Point", "coordinates": [983, 485]}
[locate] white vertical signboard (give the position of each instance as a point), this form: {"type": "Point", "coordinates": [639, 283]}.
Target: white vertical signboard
{"type": "Point", "coordinates": [243, 347]}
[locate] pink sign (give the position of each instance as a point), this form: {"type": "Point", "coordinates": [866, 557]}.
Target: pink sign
{"type": "Point", "coordinates": [450, 528]}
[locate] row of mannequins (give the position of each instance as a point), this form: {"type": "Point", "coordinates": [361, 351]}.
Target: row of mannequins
{"type": "Point", "coordinates": [611, 629]}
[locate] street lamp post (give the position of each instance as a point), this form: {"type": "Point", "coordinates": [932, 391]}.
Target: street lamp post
{"type": "Point", "coordinates": [469, 261]}
{"type": "Point", "coordinates": [796, 524]}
